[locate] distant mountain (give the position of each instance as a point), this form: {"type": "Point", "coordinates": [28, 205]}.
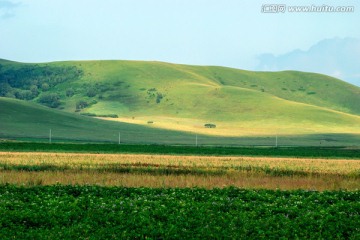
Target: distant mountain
{"type": "Point", "coordinates": [337, 57]}
{"type": "Point", "coordinates": [184, 97]}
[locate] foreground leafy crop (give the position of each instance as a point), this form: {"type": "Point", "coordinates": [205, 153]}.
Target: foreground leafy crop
{"type": "Point", "coordinates": [84, 212]}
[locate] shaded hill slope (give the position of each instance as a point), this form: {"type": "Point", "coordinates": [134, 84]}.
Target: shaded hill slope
{"type": "Point", "coordinates": [25, 120]}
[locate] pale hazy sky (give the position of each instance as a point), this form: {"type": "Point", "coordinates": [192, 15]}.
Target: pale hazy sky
{"type": "Point", "coordinates": [232, 33]}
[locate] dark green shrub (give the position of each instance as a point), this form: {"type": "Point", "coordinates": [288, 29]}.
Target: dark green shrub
{"type": "Point", "coordinates": [159, 97]}
{"type": "Point", "coordinates": [5, 88]}
{"type": "Point", "coordinates": [81, 104]}
{"type": "Point", "coordinates": [91, 92]}
{"type": "Point", "coordinates": [45, 87]}
{"type": "Point", "coordinates": [34, 91]}
{"type": "Point", "coordinates": [70, 92]}
{"type": "Point", "coordinates": [50, 99]}
{"type": "Point", "coordinates": [24, 94]}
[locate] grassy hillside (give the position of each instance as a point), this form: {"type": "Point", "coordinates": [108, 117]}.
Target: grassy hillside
{"type": "Point", "coordinates": [182, 97]}
{"type": "Point", "coordinates": [311, 88]}
{"type": "Point", "coordinates": [22, 120]}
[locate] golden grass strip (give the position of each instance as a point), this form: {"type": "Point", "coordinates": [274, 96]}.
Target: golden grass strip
{"type": "Point", "coordinates": [242, 180]}
{"type": "Point", "coordinates": [76, 160]}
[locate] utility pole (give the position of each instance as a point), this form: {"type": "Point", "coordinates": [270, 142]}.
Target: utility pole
{"type": "Point", "coordinates": [119, 138]}
{"type": "Point", "coordinates": [50, 136]}
{"type": "Point", "coordinates": [196, 140]}
{"type": "Point", "coordinates": [276, 141]}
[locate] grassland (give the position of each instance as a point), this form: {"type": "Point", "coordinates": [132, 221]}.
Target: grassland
{"type": "Point", "coordinates": [178, 171]}
{"type": "Point", "coordinates": [26, 121]}
{"type": "Point", "coordinates": [184, 98]}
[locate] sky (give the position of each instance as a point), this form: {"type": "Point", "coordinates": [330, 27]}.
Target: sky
{"type": "Point", "coordinates": [233, 33]}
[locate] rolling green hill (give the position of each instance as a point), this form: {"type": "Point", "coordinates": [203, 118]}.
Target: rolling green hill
{"type": "Point", "coordinates": [25, 120]}
{"type": "Point", "coordinates": [28, 121]}
{"type": "Point", "coordinates": [184, 98]}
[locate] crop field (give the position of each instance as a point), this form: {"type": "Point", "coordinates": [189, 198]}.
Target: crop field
{"type": "Point", "coordinates": [93, 212]}
{"type": "Point", "coordinates": [139, 170]}
{"type": "Point", "coordinates": [307, 152]}
{"type": "Point", "coordinates": [114, 195]}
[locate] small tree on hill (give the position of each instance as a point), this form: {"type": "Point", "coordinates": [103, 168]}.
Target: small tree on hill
{"type": "Point", "coordinates": [81, 105]}
{"type": "Point", "coordinates": [70, 92]}
{"type": "Point", "coordinates": [45, 87]}
{"type": "Point", "coordinates": [91, 92]}
{"type": "Point", "coordinates": [50, 99]}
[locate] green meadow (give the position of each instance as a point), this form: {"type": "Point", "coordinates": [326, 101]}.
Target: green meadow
{"type": "Point", "coordinates": [25, 121]}
{"type": "Point", "coordinates": [164, 103]}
